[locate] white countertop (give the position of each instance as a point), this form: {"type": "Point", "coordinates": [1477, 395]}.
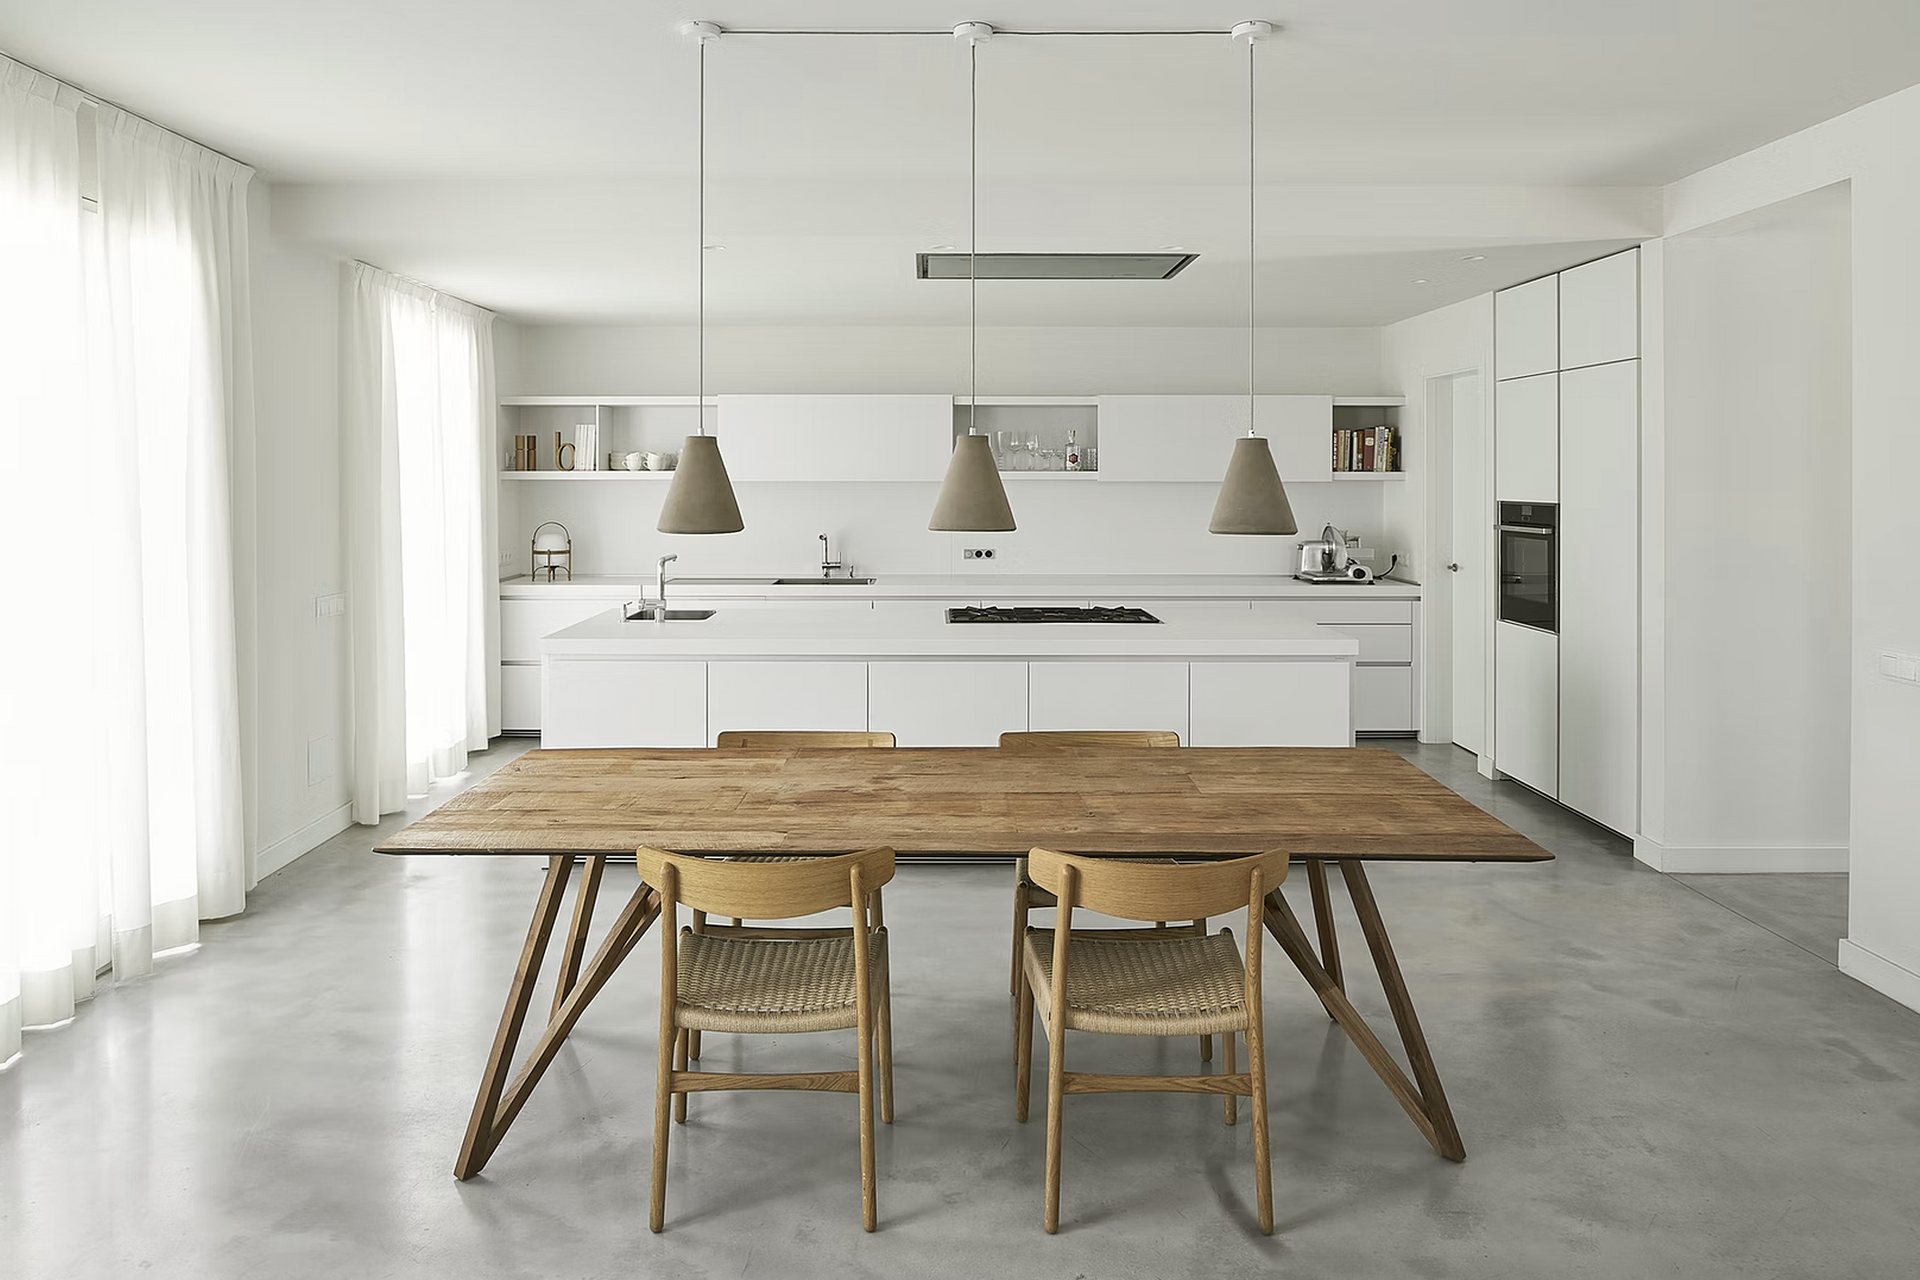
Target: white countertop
{"type": "Point", "coordinates": [1114, 588]}
{"type": "Point", "coordinates": [915, 633]}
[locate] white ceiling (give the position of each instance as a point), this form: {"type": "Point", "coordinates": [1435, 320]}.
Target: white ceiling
{"type": "Point", "coordinates": [554, 143]}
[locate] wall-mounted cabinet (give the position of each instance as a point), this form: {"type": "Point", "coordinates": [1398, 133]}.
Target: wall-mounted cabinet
{"type": "Point", "coordinates": [1190, 438]}
{"type": "Point", "coordinates": [1526, 329]}
{"type": "Point", "coordinates": [1030, 437]}
{"type": "Point", "coordinates": [603, 433]}
{"type": "Point", "coordinates": [828, 438]}
{"type": "Point", "coordinates": [1600, 311]}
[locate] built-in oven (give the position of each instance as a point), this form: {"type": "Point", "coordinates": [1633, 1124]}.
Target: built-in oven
{"type": "Point", "coordinates": [1530, 564]}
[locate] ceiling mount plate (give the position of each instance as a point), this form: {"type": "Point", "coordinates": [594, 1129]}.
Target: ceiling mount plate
{"type": "Point", "coordinates": [1248, 32]}
{"type": "Point", "coordinates": [701, 31]}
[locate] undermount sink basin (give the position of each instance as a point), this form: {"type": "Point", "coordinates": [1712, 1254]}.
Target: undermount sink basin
{"type": "Point", "coordinates": [823, 582]}
{"type": "Point", "coordinates": [652, 613]}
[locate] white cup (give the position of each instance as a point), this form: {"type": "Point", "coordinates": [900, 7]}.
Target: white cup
{"type": "Point", "coordinates": [636, 462]}
{"type": "Point", "coordinates": [656, 462]}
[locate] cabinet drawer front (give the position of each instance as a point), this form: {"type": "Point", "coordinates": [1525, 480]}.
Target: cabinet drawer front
{"type": "Point", "coordinates": [524, 622]}
{"type": "Point", "coordinates": [947, 704]}
{"type": "Point", "coordinates": [1383, 700]}
{"type": "Point", "coordinates": [1339, 606]}
{"type": "Point", "coordinates": [786, 695]}
{"type": "Point", "coordinates": [1379, 641]}
{"type": "Point", "coordinates": [1271, 704]}
{"type": "Point", "coordinates": [602, 703]}
{"type": "Point", "coordinates": [520, 699]}
{"type": "Point", "coordinates": [1107, 695]}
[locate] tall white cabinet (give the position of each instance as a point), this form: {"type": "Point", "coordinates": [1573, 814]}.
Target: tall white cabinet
{"type": "Point", "coordinates": [1567, 429]}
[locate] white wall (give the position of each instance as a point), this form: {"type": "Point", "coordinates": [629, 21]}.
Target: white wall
{"type": "Point", "coordinates": [1874, 148]}
{"type": "Point", "coordinates": [1756, 453]}
{"type": "Point", "coordinates": [1065, 527]}
{"type": "Point", "coordinates": [301, 685]}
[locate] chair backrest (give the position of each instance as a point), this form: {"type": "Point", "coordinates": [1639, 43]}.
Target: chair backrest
{"type": "Point", "coordinates": [737, 738]}
{"type": "Point", "coordinates": [1090, 738]}
{"type": "Point", "coordinates": [763, 890]}
{"type": "Point", "coordinates": [1156, 891]}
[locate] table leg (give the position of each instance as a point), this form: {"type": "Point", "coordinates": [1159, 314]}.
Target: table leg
{"type": "Point", "coordinates": [1425, 1103]}
{"type": "Point", "coordinates": [1323, 922]}
{"type": "Point", "coordinates": [498, 1103]}
{"type": "Point", "coordinates": [576, 948]}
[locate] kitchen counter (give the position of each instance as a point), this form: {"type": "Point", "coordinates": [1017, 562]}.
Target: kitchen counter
{"type": "Point", "coordinates": [1116, 587]}
{"type": "Point", "coordinates": [924, 633]}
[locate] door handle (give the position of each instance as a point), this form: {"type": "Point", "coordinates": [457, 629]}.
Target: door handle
{"type": "Point", "coordinates": [1454, 567]}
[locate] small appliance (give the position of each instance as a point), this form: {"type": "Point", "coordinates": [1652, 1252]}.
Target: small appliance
{"type": "Point", "coordinates": [1326, 560]}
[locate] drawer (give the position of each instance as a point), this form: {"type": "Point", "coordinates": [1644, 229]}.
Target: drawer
{"type": "Point", "coordinates": [524, 622]}
{"type": "Point", "coordinates": [1379, 641]}
{"type": "Point", "coordinates": [1336, 608]}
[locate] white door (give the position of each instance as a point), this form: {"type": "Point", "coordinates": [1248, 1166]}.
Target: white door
{"type": "Point", "coordinates": [1467, 563]}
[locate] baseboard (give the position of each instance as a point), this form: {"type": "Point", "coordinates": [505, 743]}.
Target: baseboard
{"type": "Point", "coordinates": [1750, 860]}
{"type": "Point", "coordinates": [1891, 980]}
{"type": "Point", "coordinates": [316, 833]}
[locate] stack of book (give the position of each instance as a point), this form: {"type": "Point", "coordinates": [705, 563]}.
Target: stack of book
{"type": "Point", "coordinates": [1366, 449]}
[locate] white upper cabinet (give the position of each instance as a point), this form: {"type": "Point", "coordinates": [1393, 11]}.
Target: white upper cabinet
{"type": "Point", "coordinates": [1526, 439]}
{"type": "Point", "coordinates": [1191, 437]}
{"type": "Point", "coordinates": [1600, 312]}
{"type": "Point", "coordinates": [851, 437]}
{"type": "Point", "coordinates": [1526, 329]}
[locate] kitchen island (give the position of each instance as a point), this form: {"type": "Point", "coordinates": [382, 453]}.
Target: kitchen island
{"type": "Point", "coordinates": [1218, 679]}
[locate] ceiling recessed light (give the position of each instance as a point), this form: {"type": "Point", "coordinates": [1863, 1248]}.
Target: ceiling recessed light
{"type": "Point", "coordinates": [713, 247]}
{"type": "Point", "coordinates": [1173, 248]}
{"type": "Point", "coordinates": [1423, 282]}
{"type": "Point", "coordinates": [941, 248]}
{"type": "Point", "coordinates": [1475, 257]}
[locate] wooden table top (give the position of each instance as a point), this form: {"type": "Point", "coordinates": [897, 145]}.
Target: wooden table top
{"type": "Point", "coordinates": [1199, 801]}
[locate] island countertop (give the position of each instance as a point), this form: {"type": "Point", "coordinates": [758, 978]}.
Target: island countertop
{"type": "Point", "coordinates": [924, 633]}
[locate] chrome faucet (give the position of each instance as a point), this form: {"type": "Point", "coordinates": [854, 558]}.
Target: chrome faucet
{"type": "Point", "coordinates": [827, 563]}
{"type": "Point", "coordinates": [661, 586]}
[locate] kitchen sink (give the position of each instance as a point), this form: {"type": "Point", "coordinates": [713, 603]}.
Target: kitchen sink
{"type": "Point", "coordinates": [823, 582]}
{"type": "Point", "coordinates": [651, 613]}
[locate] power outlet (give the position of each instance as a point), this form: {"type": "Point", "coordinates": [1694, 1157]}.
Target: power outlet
{"type": "Point", "coordinates": [506, 561]}
{"type": "Point", "coordinates": [976, 553]}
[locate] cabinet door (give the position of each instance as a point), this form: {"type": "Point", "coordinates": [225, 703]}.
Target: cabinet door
{"type": "Point", "coordinates": [1526, 329]}
{"type": "Point", "coordinates": [523, 622]}
{"type": "Point", "coordinates": [836, 437]}
{"type": "Point", "coordinates": [597, 702]}
{"type": "Point", "coordinates": [1599, 593]}
{"type": "Point", "coordinates": [1383, 700]}
{"type": "Point", "coordinates": [1171, 437]}
{"type": "Point", "coordinates": [947, 704]}
{"type": "Point", "coordinates": [1271, 704]}
{"type": "Point", "coordinates": [1600, 311]}
{"type": "Point", "coordinates": [1526, 439]}
{"type": "Point", "coordinates": [1107, 695]}
{"type": "Point", "coordinates": [520, 698]}
{"type": "Point", "coordinates": [786, 695]}
{"type": "Point", "coordinates": [1301, 428]}
{"type": "Point", "coordinates": [1526, 706]}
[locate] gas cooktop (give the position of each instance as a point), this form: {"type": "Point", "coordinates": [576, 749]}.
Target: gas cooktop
{"type": "Point", "coordinates": [1050, 613]}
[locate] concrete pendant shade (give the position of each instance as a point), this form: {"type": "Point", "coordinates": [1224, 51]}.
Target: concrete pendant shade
{"type": "Point", "coordinates": [972, 499]}
{"type": "Point", "coordinates": [700, 499]}
{"type": "Point", "coordinates": [1252, 499]}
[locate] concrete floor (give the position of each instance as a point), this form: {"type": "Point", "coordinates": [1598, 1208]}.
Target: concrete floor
{"type": "Point", "coordinates": [1650, 1082]}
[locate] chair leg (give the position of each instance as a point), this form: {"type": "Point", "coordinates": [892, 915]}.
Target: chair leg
{"type": "Point", "coordinates": [863, 1053]}
{"type": "Point", "coordinates": [1056, 1108]}
{"type": "Point", "coordinates": [680, 1064]}
{"type": "Point", "coordinates": [1023, 1052]}
{"type": "Point", "coordinates": [1257, 1102]}
{"type": "Point", "coordinates": [1020, 908]}
{"type": "Point", "coordinates": [662, 1091]}
{"type": "Point", "coordinates": [886, 1048]}
{"type": "Point", "coordinates": [1232, 1100]}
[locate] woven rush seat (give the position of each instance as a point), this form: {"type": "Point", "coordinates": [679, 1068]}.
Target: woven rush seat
{"type": "Point", "coordinates": [772, 984]}
{"type": "Point", "coordinates": [1144, 985]}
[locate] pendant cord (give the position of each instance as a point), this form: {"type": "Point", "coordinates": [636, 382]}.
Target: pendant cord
{"type": "Point", "coordinates": [973, 222]}
{"type": "Point", "coordinates": [1253, 262]}
{"type": "Point", "coordinates": [700, 400]}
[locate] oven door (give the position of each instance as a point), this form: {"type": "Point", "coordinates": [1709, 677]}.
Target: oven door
{"type": "Point", "coordinates": [1529, 593]}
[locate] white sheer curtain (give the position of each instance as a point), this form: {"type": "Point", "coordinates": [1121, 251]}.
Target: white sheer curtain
{"type": "Point", "coordinates": [126, 392]}
{"type": "Point", "coordinates": [418, 399]}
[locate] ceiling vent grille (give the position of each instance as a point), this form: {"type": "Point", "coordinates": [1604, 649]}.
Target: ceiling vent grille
{"type": "Point", "coordinates": [1052, 266]}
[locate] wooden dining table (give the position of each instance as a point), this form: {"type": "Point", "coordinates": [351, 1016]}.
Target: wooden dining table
{"type": "Point", "coordinates": [1328, 807]}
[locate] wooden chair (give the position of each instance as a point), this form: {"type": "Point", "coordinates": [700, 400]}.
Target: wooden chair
{"type": "Point", "coordinates": [1129, 982]}
{"type": "Point", "coordinates": [772, 982]}
{"type": "Point", "coordinates": [1025, 895]}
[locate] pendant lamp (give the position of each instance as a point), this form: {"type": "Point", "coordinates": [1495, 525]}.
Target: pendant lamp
{"type": "Point", "coordinates": [1252, 500]}
{"type": "Point", "coordinates": [972, 497]}
{"type": "Point", "coordinates": [700, 499]}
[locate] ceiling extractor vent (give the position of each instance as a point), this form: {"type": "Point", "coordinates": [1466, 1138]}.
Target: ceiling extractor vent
{"type": "Point", "coordinates": [1051, 266]}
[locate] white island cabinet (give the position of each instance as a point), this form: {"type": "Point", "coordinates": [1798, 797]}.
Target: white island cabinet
{"type": "Point", "coordinates": [1217, 680]}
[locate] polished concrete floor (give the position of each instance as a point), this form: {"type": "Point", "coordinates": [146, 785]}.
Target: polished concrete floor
{"type": "Point", "coordinates": [1653, 1078]}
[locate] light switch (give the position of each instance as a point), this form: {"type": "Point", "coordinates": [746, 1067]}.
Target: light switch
{"type": "Point", "coordinates": [329, 606]}
{"type": "Point", "coordinates": [1903, 667]}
